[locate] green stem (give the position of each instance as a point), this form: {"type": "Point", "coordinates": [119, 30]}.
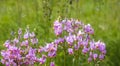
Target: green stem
{"type": "Point", "coordinates": [96, 63]}
{"type": "Point", "coordinates": [64, 56]}
{"type": "Point", "coordinates": [64, 49]}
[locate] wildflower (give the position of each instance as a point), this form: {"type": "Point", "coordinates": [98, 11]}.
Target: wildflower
{"type": "Point", "coordinates": [59, 40]}
{"type": "Point", "coordinates": [80, 43]}
{"type": "Point", "coordinates": [50, 47]}
{"type": "Point", "coordinates": [26, 35]}
{"type": "Point", "coordinates": [85, 50]}
{"type": "Point", "coordinates": [51, 54]}
{"type": "Point", "coordinates": [52, 64]}
{"type": "Point", "coordinates": [34, 41]}
{"type": "Point", "coordinates": [101, 46]}
{"type": "Point", "coordinates": [92, 45]}
{"type": "Point", "coordinates": [69, 39]}
{"type": "Point", "coordinates": [104, 52]}
{"type": "Point", "coordinates": [15, 41]}
{"type": "Point", "coordinates": [7, 43]}
{"type": "Point", "coordinates": [19, 31]}
{"type": "Point", "coordinates": [32, 35]}
{"type": "Point", "coordinates": [89, 59]}
{"type": "Point", "coordinates": [76, 47]}
{"type": "Point", "coordinates": [88, 29]}
{"type": "Point", "coordinates": [85, 43]}
{"type": "Point", "coordinates": [42, 59]}
{"type": "Point", "coordinates": [25, 43]}
{"type": "Point", "coordinates": [95, 56]}
{"type": "Point", "coordinates": [57, 27]}
{"type": "Point", "coordinates": [41, 49]}
{"type": "Point", "coordinates": [101, 56]}
{"type": "Point", "coordinates": [68, 26]}
{"type": "Point", "coordinates": [31, 56]}
{"type": "Point", "coordinates": [70, 51]}
{"type": "Point", "coordinates": [90, 54]}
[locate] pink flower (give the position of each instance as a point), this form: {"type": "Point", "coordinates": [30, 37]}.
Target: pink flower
{"type": "Point", "coordinates": [70, 51]}
{"type": "Point", "coordinates": [52, 64]}
{"type": "Point", "coordinates": [58, 27]}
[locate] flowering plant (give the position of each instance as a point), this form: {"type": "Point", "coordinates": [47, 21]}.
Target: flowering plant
{"type": "Point", "coordinates": [76, 36]}
{"type": "Point", "coordinates": [21, 51]}
{"type": "Point", "coordinates": [73, 36]}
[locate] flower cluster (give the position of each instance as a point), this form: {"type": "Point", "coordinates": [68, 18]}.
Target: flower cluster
{"type": "Point", "coordinates": [20, 50]}
{"type": "Point", "coordinates": [77, 35]}
{"type": "Point", "coordinates": [72, 35]}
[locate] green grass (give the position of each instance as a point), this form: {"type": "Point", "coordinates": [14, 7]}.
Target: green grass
{"type": "Point", "coordinates": [103, 15]}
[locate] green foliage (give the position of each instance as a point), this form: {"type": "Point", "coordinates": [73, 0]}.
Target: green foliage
{"type": "Point", "coordinates": [103, 15]}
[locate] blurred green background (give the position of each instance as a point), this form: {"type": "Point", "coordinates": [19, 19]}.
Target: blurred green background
{"type": "Point", "coordinates": [103, 15]}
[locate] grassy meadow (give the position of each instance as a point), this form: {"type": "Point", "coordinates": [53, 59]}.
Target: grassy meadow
{"type": "Point", "coordinates": [103, 15]}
